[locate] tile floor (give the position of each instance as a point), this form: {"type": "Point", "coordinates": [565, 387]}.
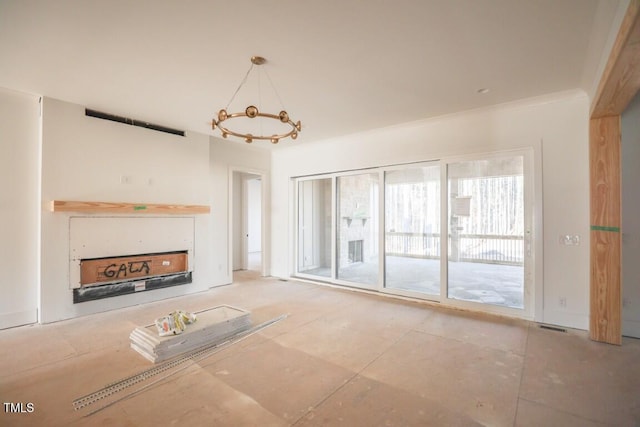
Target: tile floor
{"type": "Point", "coordinates": [339, 358]}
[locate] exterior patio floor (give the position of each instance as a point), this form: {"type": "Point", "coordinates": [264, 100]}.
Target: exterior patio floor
{"type": "Point", "coordinates": [496, 284]}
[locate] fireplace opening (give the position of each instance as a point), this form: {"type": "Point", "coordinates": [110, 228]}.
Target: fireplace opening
{"type": "Point", "coordinates": [355, 251]}
{"type": "Point", "coordinates": [120, 275]}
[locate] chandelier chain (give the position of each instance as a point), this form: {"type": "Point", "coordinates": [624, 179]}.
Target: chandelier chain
{"type": "Point", "coordinates": [274, 89]}
{"type": "Point", "coordinates": [244, 80]}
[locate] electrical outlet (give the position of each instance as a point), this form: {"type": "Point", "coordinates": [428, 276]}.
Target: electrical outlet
{"type": "Point", "coordinates": [126, 179]}
{"type": "Point", "coordinates": [570, 240]}
{"type": "Point", "coordinates": [563, 302]}
{"type": "Point", "coordinates": [625, 302]}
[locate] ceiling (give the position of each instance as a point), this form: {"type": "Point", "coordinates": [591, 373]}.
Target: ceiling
{"type": "Point", "coordinates": [339, 66]}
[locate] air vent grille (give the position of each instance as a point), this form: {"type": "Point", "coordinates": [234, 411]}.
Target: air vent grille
{"type": "Point", "coordinates": [553, 328]}
{"type": "Point", "coordinates": [132, 122]}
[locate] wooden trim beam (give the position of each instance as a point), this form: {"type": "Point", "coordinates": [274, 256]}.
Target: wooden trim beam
{"type": "Point", "coordinates": [618, 86]}
{"type": "Point", "coordinates": [605, 323]}
{"type": "Point", "coordinates": [621, 77]}
{"type": "Point", "coordinates": [127, 208]}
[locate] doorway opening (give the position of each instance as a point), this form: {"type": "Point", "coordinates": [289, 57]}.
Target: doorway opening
{"type": "Point", "coordinates": [246, 222]}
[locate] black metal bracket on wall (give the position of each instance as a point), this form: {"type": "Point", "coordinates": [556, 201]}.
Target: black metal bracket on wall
{"type": "Point", "coordinates": [91, 293]}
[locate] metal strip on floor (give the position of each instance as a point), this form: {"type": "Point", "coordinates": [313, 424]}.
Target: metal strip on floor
{"type": "Point", "coordinates": [165, 367]}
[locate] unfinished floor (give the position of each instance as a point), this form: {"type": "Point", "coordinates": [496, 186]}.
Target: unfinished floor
{"type": "Point", "coordinates": [340, 358]}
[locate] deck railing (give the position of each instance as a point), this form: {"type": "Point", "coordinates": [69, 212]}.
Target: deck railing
{"type": "Point", "coordinates": [485, 248]}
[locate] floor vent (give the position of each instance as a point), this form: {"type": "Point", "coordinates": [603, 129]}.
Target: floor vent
{"type": "Point", "coordinates": [132, 122]}
{"type": "Point", "coordinates": [553, 328]}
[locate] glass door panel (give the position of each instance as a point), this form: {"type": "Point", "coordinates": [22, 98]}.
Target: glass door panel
{"type": "Point", "coordinates": [486, 231]}
{"type": "Point", "coordinates": [314, 227]}
{"type": "Point", "coordinates": [357, 229]}
{"type": "Point", "coordinates": [412, 229]}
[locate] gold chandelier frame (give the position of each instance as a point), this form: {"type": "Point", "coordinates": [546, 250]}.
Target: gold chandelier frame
{"type": "Point", "coordinates": [252, 112]}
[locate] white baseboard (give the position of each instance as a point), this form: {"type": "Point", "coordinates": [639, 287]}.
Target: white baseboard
{"type": "Point", "coordinates": [631, 328]}
{"type": "Point", "coordinates": [18, 318]}
{"type": "Point", "coordinates": [568, 320]}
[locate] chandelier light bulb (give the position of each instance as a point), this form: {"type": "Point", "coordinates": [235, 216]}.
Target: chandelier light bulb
{"type": "Point", "coordinates": [251, 111]}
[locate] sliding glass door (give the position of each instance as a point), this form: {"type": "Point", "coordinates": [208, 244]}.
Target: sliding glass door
{"type": "Point", "coordinates": [314, 227]}
{"type": "Point", "coordinates": [486, 216]}
{"type": "Point", "coordinates": [456, 231]}
{"type": "Point", "coordinates": [357, 229]}
{"type": "Point", "coordinates": [412, 229]}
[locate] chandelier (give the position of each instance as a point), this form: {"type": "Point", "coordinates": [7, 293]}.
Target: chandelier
{"type": "Point", "coordinates": [287, 128]}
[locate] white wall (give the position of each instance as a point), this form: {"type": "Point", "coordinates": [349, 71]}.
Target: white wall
{"type": "Point", "coordinates": [84, 158]}
{"type": "Point", "coordinates": [631, 219]}
{"type": "Point", "coordinates": [555, 126]}
{"type": "Point", "coordinates": [19, 207]}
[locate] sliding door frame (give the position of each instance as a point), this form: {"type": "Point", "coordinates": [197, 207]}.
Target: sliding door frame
{"type": "Point", "coordinates": [382, 285]}
{"type": "Point", "coordinates": [532, 256]}
{"type": "Point", "coordinates": [296, 246]}
{"type": "Point", "coordinates": [533, 253]}
{"type": "Point", "coordinates": [336, 221]}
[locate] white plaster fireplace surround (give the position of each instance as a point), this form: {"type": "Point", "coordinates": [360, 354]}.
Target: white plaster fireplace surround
{"type": "Point", "coordinates": [79, 236]}
{"type": "Point", "coordinates": [100, 237]}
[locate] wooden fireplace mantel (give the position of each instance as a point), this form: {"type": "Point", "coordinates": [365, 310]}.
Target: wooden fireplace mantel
{"type": "Point", "coordinates": [127, 208]}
